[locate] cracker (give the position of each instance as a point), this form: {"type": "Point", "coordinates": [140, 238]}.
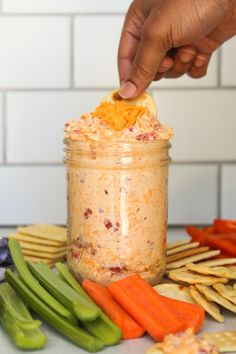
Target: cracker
{"type": "Point", "coordinates": [36, 260]}
{"type": "Point", "coordinates": [182, 248]}
{"type": "Point", "coordinates": [191, 259]}
{"type": "Point", "coordinates": [186, 276]}
{"type": "Point", "coordinates": [223, 272]}
{"type": "Point", "coordinates": [226, 291]}
{"type": "Point", "coordinates": [49, 232]}
{"type": "Point", "coordinates": [234, 286]}
{"type": "Point", "coordinates": [155, 349]}
{"type": "Point", "coordinates": [219, 262]}
{"type": "Point", "coordinates": [184, 254]}
{"type": "Point", "coordinates": [174, 291]}
{"type": "Point", "coordinates": [44, 254]}
{"type": "Point", "coordinates": [213, 295]}
{"type": "Point", "coordinates": [144, 100]}
{"type": "Point", "coordinates": [210, 307]}
{"type": "Point", "coordinates": [40, 248]}
{"type": "Point", "coordinates": [175, 244]}
{"type": "Point", "coordinates": [33, 239]}
{"type": "Point", "coordinates": [225, 341]}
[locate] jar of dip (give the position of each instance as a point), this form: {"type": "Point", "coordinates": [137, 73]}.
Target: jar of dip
{"type": "Point", "coordinates": [117, 208]}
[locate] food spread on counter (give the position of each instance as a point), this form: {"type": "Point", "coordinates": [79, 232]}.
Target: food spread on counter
{"type": "Point", "coordinates": [117, 170]}
{"type": "Point", "coordinates": [171, 313]}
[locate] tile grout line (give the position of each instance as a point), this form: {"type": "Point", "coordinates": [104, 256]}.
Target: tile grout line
{"type": "Point", "coordinates": [71, 41]}
{"type": "Point", "coordinates": [219, 199]}
{"type": "Point", "coordinates": [63, 14]}
{"type": "Point", "coordinates": [219, 84]}
{"type": "Point", "coordinates": [105, 88]}
{"type": "Point", "coordinates": [4, 127]}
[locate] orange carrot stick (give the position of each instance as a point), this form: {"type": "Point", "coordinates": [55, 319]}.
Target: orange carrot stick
{"type": "Point", "coordinates": [146, 306]}
{"type": "Point", "coordinates": [103, 298]}
{"type": "Point", "coordinates": [192, 314]}
{"type": "Point", "coordinates": [224, 226]}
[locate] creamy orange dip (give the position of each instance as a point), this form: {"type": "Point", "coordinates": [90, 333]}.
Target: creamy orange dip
{"type": "Point", "coordinates": [117, 163]}
{"type": "Point", "coordinates": [187, 343]}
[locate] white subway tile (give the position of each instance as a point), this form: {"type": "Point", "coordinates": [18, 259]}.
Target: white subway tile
{"type": "Point", "coordinates": [34, 52]}
{"type": "Point", "coordinates": [192, 194]}
{"type": "Point", "coordinates": [210, 80]}
{"type": "Point", "coordinates": [32, 195]}
{"type": "Point", "coordinates": [204, 123]}
{"type": "Point", "coordinates": [35, 122]}
{"type": "Point", "coordinates": [1, 131]}
{"type": "Point", "coordinates": [64, 6]}
{"type": "Point", "coordinates": [228, 192]}
{"type": "Point", "coordinates": [96, 52]}
{"type": "Point", "coordinates": [228, 72]}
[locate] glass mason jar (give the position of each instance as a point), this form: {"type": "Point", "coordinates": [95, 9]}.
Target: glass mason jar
{"type": "Point", "coordinates": [117, 209]}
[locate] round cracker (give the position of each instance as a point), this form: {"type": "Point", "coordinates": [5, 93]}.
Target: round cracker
{"type": "Point", "coordinates": [144, 100]}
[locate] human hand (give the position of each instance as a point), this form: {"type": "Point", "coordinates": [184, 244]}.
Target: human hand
{"type": "Point", "coordinates": [153, 28]}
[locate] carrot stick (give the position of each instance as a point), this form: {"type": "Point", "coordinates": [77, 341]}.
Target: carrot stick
{"type": "Point", "coordinates": [192, 314]}
{"type": "Point", "coordinates": [224, 226]}
{"type": "Point", "coordinates": [103, 298]}
{"type": "Point", "coordinates": [146, 306]}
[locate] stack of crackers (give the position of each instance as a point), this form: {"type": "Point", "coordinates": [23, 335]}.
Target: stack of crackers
{"type": "Point", "coordinates": [200, 282]}
{"type": "Point", "coordinates": [46, 243]}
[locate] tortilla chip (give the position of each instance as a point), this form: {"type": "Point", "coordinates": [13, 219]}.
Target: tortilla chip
{"type": "Point", "coordinates": [213, 295]}
{"type": "Point", "coordinates": [188, 246]}
{"type": "Point", "coordinates": [210, 307]}
{"type": "Point", "coordinates": [226, 291]}
{"type": "Point", "coordinates": [144, 100]}
{"type": "Point", "coordinates": [174, 291]}
{"type": "Point", "coordinates": [191, 259]}
{"type": "Point", "coordinates": [225, 341]}
{"type": "Point", "coordinates": [223, 272]}
{"type": "Point", "coordinates": [49, 232]}
{"type": "Point", "coordinates": [36, 240]}
{"type": "Point", "coordinates": [175, 244]}
{"type": "Point", "coordinates": [186, 276]}
{"type": "Point", "coordinates": [40, 248]}
{"type": "Point", "coordinates": [184, 254]}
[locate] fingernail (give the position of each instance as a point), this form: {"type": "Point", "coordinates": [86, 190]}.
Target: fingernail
{"type": "Point", "coordinates": [163, 69]}
{"type": "Point", "coordinates": [199, 62]}
{"type": "Point", "coordinates": [127, 90]}
{"type": "Point", "coordinates": [186, 56]}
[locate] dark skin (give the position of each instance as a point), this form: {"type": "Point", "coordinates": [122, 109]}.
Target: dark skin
{"type": "Point", "coordinates": [170, 38]}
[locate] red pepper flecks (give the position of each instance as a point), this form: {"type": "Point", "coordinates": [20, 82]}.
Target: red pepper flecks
{"type": "Point", "coordinates": [116, 228]}
{"type": "Point", "coordinates": [87, 213]}
{"type": "Point", "coordinates": [106, 191]}
{"type": "Point", "coordinates": [115, 269]}
{"type": "Point", "coordinates": [107, 224]}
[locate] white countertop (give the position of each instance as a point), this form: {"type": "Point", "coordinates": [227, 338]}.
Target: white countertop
{"type": "Point", "coordinates": [58, 345]}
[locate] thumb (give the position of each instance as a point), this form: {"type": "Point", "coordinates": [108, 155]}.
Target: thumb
{"type": "Point", "coordinates": [149, 55]}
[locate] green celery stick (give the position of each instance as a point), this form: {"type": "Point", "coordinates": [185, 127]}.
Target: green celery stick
{"type": "Point", "coordinates": [102, 327]}
{"type": "Point", "coordinates": [17, 321]}
{"type": "Point", "coordinates": [32, 283]}
{"type": "Point", "coordinates": [79, 305]}
{"type": "Point", "coordinates": [62, 325]}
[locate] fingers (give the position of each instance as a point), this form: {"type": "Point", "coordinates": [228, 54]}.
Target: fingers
{"type": "Point", "coordinates": [129, 41]}
{"type": "Point", "coordinates": [199, 67]}
{"type": "Point", "coordinates": [150, 53]}
{"type": "Point", "coordinates": [182, 62]}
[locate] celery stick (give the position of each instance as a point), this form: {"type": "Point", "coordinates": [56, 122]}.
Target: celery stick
{"type": "Point", "coordinates": [62, 325]}
{"type": "Point", "coordinates": [81, 307]}
{"type": "Point", "coordinates": [32, 283]}
{"type": "Point", "coordinates": [102, 327]}
{"type": "Point", "coordinates": [17, 321]}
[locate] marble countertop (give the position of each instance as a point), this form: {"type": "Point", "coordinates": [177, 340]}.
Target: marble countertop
{"type": "Point", "coordinates": [57, 344]}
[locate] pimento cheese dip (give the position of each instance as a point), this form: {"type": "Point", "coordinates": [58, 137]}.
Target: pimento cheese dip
{"type": "Point", "coordinates": [117, 171]}
{"type": "Point", "coordinates": [187, 343]}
